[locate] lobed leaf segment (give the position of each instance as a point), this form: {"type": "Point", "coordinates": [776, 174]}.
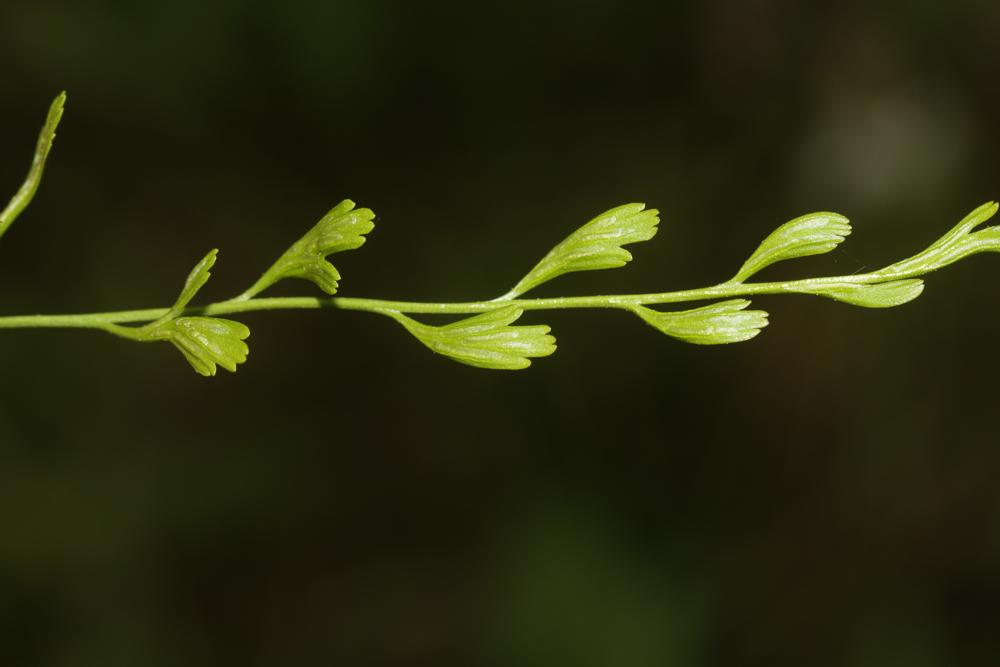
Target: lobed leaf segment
{"type": "Point", "coordinates": [486, 337]}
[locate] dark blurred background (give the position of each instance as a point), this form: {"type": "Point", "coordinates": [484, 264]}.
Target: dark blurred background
{"type": "Point", "coordinates": [824, 495]}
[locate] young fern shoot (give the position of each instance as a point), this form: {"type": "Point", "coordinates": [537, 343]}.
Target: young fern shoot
{"type": "Point", "coordinates": [486, 336]}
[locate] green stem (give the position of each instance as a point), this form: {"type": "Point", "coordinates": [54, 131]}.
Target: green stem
{"type": "Point", "coordinates": [101, 320]}
{"type": "Point", "coordinates": [242, 305]}
{"type": "Point", "coordinates": [622, 301]}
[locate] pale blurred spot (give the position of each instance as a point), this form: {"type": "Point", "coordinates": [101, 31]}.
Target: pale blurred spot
{"type": "Point", "coordinates": [885, 148]}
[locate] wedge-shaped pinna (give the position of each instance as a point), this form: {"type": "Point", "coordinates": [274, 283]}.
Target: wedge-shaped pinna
{"type": "Point", "coordinates": [879, 295]}
{"type": "Point", "coordinates": [487, 340]}
{"type": "Point", "coordinates": [596, 245]}
{"type": "Point", "coordinates": [206, 342]}
{"type": "Point", "coordinates": [343, 228]}
{"type": "Point", "coordinates": [812, 234]}
{"type": "Point", "coordinates": [958, 243]}
{"type": "Point", "coordinates": [717, 324]}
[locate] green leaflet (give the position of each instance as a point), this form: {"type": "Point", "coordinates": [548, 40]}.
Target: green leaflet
{"type": "Point", "coordinates": [205, 341]}
{"type": "Point", "coordinates": [27, 192]}
{"type": "Point", "coordinates": [596, 245]}
{"type": "Point", "coordinates": [958, 243]}
{"type": "Point", "coordinates": [195, 281]}
{"type": "Point", "coordinates": [487, 340]}
{"type": "Point", "coordinates": [717, 324]}
{"type": "Point", "coordinates": [812, 234]}
{"type": "Point", "coordinates": [343, 228]}
{"type": "Point", "coordinates": [879, 295]}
